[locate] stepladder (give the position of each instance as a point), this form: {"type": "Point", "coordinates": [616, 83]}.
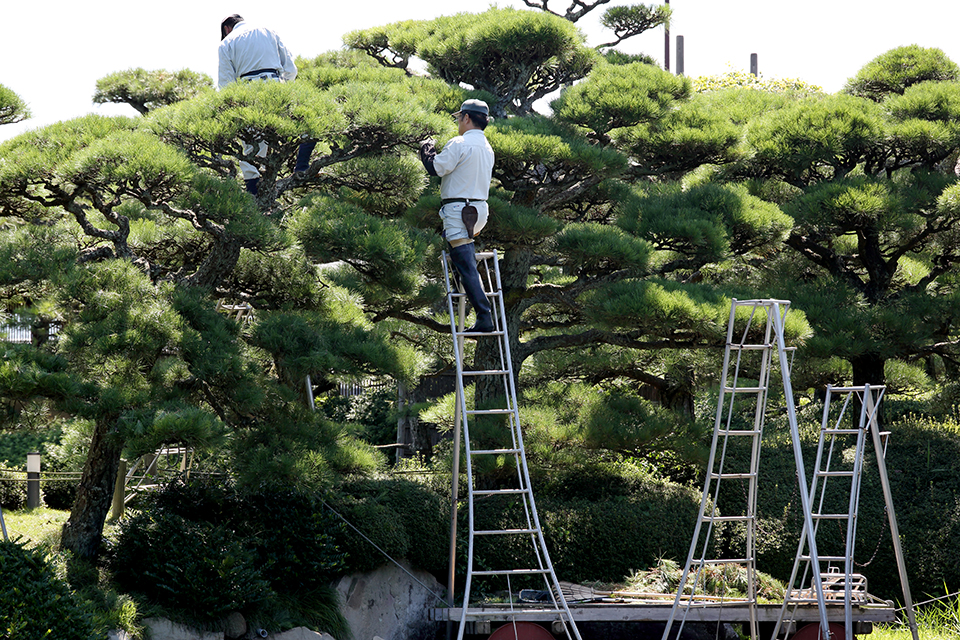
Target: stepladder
{"type": "Point", "coordinates": [506, 548]}
{"type": "Point", "coordinates": [850, 417]}
{"type": "Point", "coordinates": [755, 348]}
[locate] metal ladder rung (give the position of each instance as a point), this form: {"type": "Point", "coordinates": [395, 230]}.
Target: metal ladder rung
{"type": "Point", "coordinates": [725, 561]}
{"type": "Point", "coordinates": [834, 474]}
{"type": "Point", "coordinates": [727, 389]}
{"type": "Point", "coordinates": [480, 333]}
{"type": "Point", "coordinates": [740, 432]}
{"type": "Point", "coordinates": [734, 476]}
{"type": "Point", "coordinates": [487, 372]}
{"type": "Point", "coordinates": [749, 347]}
{"type": "Point", "coordinates": [830, 516]}
{"type": "Point", "coordinates": [504, 532]}
{"type": "Point", "coordinates": [823, 558]}
{"type": "Point", "coordinates": [513, 572]}
{"type": "Point", "coordinates": [493, 452]}
{"type": "Point", "coordinates": [729, 519]}
{"type": "Point", "coordinates": [497, 492]}
{"type": "Point", "coordinates": [848, 432]}
{"type": "Point", "coordinates": [474, 412]}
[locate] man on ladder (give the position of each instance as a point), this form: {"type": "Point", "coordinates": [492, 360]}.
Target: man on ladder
{"type": "Point", "coordinates": [465, 167]}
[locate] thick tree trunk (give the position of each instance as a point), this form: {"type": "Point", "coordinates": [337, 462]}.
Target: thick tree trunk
{"type": "Point", "coordinates": [218, 264]}
{"type": "Point", "coordinates": [514, 270]}
{"type": "Point", "coordinates": [84, 529]}
{"type": "Point", "coordinates": [867, 369]}
{"type": "Point", "coordinates": [409, 423]}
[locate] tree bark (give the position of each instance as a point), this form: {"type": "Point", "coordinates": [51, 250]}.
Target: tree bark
{"type": "Point", "coordinates": [514, 269]}
{"type": "Point", "coordinates": [84, 529]}
{"type": "Point", "coordinates": [867, 369]}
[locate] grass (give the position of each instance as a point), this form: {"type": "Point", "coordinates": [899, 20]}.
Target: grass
{"type": "Point", "coordinates": [90, 583]}
{"type": "Point", "coordinates": [939, 620]}
{"type": "Point", "coordinates": [36, 526]}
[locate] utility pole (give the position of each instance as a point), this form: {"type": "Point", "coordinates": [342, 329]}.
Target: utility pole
{"type": "Point", "coordinates": [666, 43]}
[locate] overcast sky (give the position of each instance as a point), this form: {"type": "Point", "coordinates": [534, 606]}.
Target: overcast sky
{"type": "Point", "coordinates": [52, 53]}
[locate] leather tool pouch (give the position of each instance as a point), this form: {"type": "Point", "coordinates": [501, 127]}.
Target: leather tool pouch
{"type": "Point", "coordinates": [469, 215]}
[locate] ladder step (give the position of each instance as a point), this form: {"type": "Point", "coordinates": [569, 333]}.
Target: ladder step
{"type": "Point", "coordinates": [504, 532]}
{"type": "Point", "coordinates": [829, 516]}
{"type": "Point", "coordinates": [487, 372]}
{"type": "Point", "coordinates": [848, 432]}
{"type": "Point", "coordinates": [474, 412]}
{"type": "Point", "coordinates": [741, 432]}
{"type": "Point", "coordinates": [835, 474]}
{"type": "Point", "coordinates": [728, 518]}
{"type": "Point", "coordinates": [513, 572]}
{"type": "Point", "coordinates": [744, 389]}
{"type": "Point", "coordinates": [493, 452]}
{"type": "Point", "coordinates": [725, 561]}
{"type": "Point", "coordinates": [481, 333]}
{"type": "Point", "coordinates": [495, 492]}
{"type": "Point", "coordinates": [826, 558]}
{"type": "Point", "coordinates": [748, 347]}
{"type": "Point", "coordinates": [718, 476]}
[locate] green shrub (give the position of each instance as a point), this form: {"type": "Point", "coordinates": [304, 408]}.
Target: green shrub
{"type": "Point", "coordinates": [33, 602]}
{"type": "Point", "coordinates": [199, 569]}
{"type": "Point", "coordinates": [269, 554]}
{"type": "Point", "coordinates": [13, 491]}
{"type": "Point", "coordinates": [407, 520]}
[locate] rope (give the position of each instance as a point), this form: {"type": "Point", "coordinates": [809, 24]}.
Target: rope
{"type": "Point", "coordinates": [386, 555]}
{"type": "Point", "coordinates": [920, 604]}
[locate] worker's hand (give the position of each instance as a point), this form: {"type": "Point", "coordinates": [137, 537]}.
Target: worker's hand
{"type": "Point", "coordinates": [428, 151]}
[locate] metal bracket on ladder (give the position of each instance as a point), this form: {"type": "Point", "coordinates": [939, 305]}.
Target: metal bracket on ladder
{"type": "Point", "coordinates": [510, 447]}
{"type": "Point", "coordinates": [747, 365]}
{"type": "Point", "coordinates": [832, 440]}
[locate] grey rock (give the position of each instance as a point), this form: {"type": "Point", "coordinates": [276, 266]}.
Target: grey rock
{"type": "Point", "coordinates": [234, 626]}
{"type": "Point", "coordinates": [389, 604]}
{"type": "Point", "coordinates": [163, 629]}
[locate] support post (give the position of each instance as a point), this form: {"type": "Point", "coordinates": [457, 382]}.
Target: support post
{"type": "Point", "coordinates": [455, 480]}
{"type": "Point", "coordinates": [754, 69]}
{"type": "Point", "coordinates": [666, 44]}
{"type": "Point", "coordinates": [119, 491]}
{"type": "Point", "coordinates": [679, 55]}
{"type": "Point", "coordinates": [33, 480]}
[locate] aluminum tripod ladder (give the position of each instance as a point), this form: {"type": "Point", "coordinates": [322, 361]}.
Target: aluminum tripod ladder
{"type": "Point", "coordinates": [507, 450]}
{"type": "Point", "coordinates": [748, 360]}
{"type": "Point", "coordinates": [848, 586]}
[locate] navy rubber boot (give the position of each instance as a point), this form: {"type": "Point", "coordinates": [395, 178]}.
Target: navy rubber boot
{"type": "Point", "coordinates": [465, 262]}
{"type": "Point", "coordinates": [253, 185]}
{"type": "Point", "coordinates": [303, 157]}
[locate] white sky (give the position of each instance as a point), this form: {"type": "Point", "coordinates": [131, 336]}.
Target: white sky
{"type": "Point", "coordinates": [53, 52]}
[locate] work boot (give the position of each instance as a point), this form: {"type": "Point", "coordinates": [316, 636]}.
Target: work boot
{"type": "Point", "coordinates": [303, 157]}
{"type": "Point", "coordinates": [253, 185]}
{"type": "Point", "coordinates": [465, 262]}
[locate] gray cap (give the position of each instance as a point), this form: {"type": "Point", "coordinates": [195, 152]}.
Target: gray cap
{"type": "Point", "coordinates": [475, 106]}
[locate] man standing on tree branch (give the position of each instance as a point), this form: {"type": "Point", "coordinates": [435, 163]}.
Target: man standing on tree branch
{"type": "Point", "coordinates": [465, 166]}
{"type": "Point", "coordinates": [255, 53]}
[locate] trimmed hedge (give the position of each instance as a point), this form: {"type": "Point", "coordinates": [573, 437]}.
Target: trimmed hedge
{"type": "Point", "coordinates": [203, 549]}
{"type": "Point", "coordinates": [33, 602]}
